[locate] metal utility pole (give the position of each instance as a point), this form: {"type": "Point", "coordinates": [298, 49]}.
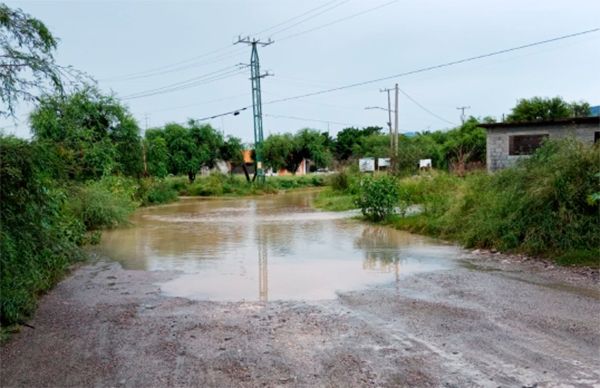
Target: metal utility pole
{"type": "Point", "coordinates": [462, 114]}
{"type": "Point", "coordinates": [255, 77]}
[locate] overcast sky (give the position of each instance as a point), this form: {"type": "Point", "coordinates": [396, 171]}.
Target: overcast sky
{"type": "Point", "coordinates": [133, 46]}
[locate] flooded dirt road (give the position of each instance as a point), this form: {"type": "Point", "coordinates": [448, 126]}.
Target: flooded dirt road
{"type": "Point", "coordinates": [268, 292]}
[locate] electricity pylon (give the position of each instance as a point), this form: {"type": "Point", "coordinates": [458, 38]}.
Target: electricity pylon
{"type": "Point", "coordinates": [255, 77]}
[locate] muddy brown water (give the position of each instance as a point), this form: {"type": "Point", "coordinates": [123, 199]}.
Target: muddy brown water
{"type": "Point", "coordinates": [269, 248]}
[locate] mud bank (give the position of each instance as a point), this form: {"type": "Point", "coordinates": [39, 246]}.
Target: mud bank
{"type": "Point", "coordinates": [494, 321]}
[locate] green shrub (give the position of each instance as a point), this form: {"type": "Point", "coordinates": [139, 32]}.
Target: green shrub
{"type": "Point", "coordinates": [178, 183]}
{"type": "Point", "coordinates": [542, 206]}
{"type": "Point", "coordinates": [102, 204]}
{"type": "Point", "coordinates": [539, 206]}
{"type": "Point", "coordinates": [38, 239]}
{"type": "Point", "coordinates": [377, 196]}
{"type": "Point", "coordinates": [159, 192]}
{"type": "Point", "coordinates": [340, 181]}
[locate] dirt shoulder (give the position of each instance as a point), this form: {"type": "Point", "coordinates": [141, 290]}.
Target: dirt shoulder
{"type": "Point", "coordinates": [494, 321]}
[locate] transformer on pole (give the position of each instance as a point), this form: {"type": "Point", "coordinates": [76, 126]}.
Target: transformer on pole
{"type": "Point", "coordinates": [255, 77]}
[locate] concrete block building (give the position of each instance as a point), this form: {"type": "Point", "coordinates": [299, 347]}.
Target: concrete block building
{"type": "Point", "coordinates": [509, 142]}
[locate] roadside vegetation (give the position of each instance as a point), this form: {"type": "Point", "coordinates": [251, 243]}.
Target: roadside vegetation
{"type": "Point", "coordinates": [547, 205]}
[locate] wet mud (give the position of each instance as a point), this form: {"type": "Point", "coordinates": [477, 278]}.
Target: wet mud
{"type": "Point", "coordinates": [106, 326]}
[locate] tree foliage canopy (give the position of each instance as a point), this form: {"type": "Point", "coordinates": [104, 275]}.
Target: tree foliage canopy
{"type": "Point", "coordinates": [92, 133]}
{"type": "Point", "coordinates": [540, 109]}
{"type": "Point", "coordinates": [26, 59]}
{"type": "Point", "coordinates": [178, 149]}
{"type": "Point", "coordinates": [288, 150]}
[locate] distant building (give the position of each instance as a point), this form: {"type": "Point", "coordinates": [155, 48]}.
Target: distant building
{"type": "Point", "coordinates": [303, 168]}
{"type": "Point", "coordinates": [509, 142]}
{"type": "Point", "coordinates": [595, 110]}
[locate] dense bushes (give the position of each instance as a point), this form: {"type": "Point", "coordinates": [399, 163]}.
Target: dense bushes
{"type": "Point", "coordinates": [542, 206]}
{"type": "Point", "coordinates": [38, 240]}
{"type": "Point", "coordinates": [43, 221]}
{"type": "Point", "coordinates": [103, 204]}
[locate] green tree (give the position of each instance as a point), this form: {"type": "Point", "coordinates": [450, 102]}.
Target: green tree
{"type": "Point", "coordinates": [183, 152]}
{"type": "Point", "coordinates": [208, 141]}
{"type": "Point", "coordinates": [347, 138]}
{"type": "Point", "coordinates": [465, 144]}
{"type": "Point", "coordinates": [27, 64]}
{"type": "Point", "coordinates": [157, 153]}
{"type": "Point", "coordinates": [281, 151]}
{"type": "Point", "coordinates": [540, 109]}
{"type": "Point", "coordinates": [233, 152]}
{"type": "Point", "coordinates": [373, 145]}
{"type": "Point", "coordinates": [312, 145]}
{"type": "Point", "coordinates": [93, 134]}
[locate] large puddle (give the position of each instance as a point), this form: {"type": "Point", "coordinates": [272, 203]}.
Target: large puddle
{"type": "Point", "coordinates": [268, 248]}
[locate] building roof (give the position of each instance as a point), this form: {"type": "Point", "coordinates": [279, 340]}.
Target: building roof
{"type": "Point", "coordinates": [568, 121]}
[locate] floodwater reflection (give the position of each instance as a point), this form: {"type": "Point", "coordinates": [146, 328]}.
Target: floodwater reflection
{"type": "Point", "coordinates": [268, 248]}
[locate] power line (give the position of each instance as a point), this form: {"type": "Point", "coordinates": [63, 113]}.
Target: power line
{"type": "Point", "coordinates": [435, 67]}
{"type": "Point", "coordinates": [310, 17]}
{"type": "Point", "coordinates": [185, 64]}
{"type": "Point", "coordinates": [158, 69]}
{"type": "Point", "coordinates": [424, 108]}
{"type": "Point", "coordinates": [199, 77]}
{"type": "Point", "coordinates": [201, 103]}
{"type": "Point", "coordinates": [308, 119]}
{"type": "Point", "coordinates": [295, 17]}
{"type": "Point", "coordinates": [234, 112]}
{"type": "Point", "coordinates": [429, 68]}
{"type": "Point", "coordinates": [217, 59]}
{"type": "Point", "coordinates": [182, 84]}
{"type": "Point", "coordinates": [338, 20]}
{"type": "Point", "coordinates": [174, 88]}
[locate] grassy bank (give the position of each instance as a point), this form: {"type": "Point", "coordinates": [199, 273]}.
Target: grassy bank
{"type": "Point", "coordinates": [236, 185]}
{"type": "Point", "coordinates": [546, 206]}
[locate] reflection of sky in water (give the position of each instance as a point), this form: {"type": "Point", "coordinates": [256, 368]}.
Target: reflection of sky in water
{"type": "Point", "coordinates": [274, 247]}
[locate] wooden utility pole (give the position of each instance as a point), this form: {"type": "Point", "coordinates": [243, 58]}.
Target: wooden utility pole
{"type": "Point", "coordinates": [389, 109]}
{"type": "Point", "coordinates": [396, 125]}
{"type": "Point", "coordinates": [462, 109]}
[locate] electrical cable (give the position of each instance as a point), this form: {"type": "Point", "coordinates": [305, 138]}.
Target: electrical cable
{"type": "Point", "coordinates": [185, 64]}
{"type": "Point", "coordinates": [296, 17]}
{"type": "Point", "coordinates": [424, 108]}
{"type": "Point", "coordinates": [217, 59]}
{"type": "Point", "coordinates": [309, 18]}
{"type": "Point", "coordinates": [171, 89]}
{"type": "Point", "coordinates": [337, 21]}
{"type": "Point", "coordinates": [435, 67]}
{"type": "Point", "coordinates": [307, 119]}
{"type": "Point", "coordinates": [426, 69]}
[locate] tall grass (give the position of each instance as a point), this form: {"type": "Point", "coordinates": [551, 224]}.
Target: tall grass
{"type": "Point", "coordinates": [234, 185]}
{"type": "Point", "coordinates": [43, 222]}
{"type": "Point", "coordinates": [542, 206]}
